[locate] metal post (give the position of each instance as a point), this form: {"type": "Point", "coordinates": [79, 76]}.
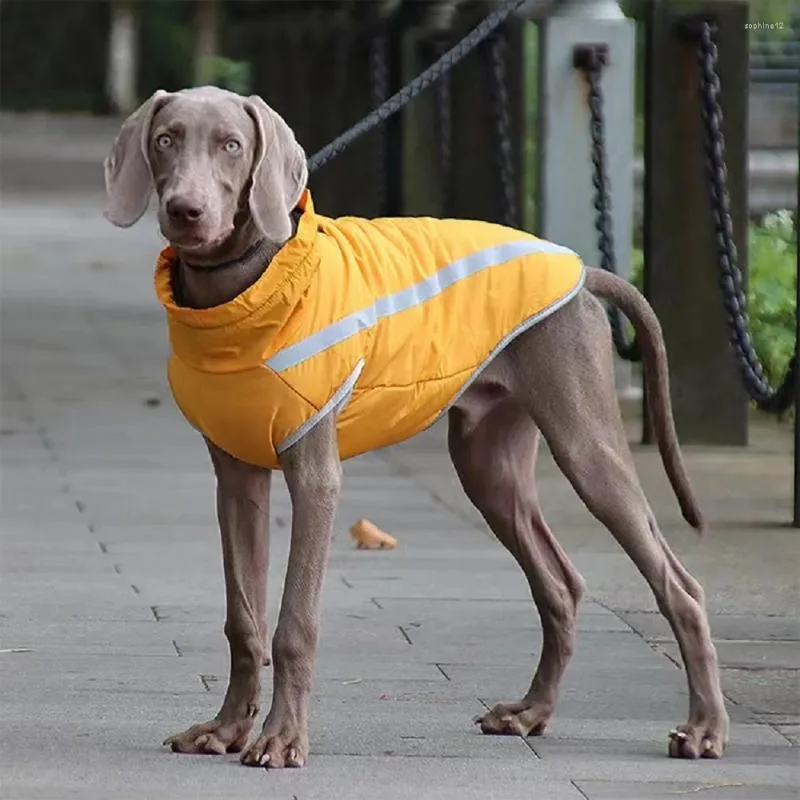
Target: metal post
{"type": "Point", "coordinates": [682, 278]}
{"type": "Point", "coordinates": [476, 188]}
{"type": "Point", "coordinates": [207, 39]}
{"type": "Point", "coordinates": [565, 208]}
{"type": "Point", "coordinates": [393, 151]}
{"type": "Point", "coordinates": [796, 516]}
{"type": "Point", "coordinates": [422, 192]}
{"type": "Point", "coordinates": [122, 56]}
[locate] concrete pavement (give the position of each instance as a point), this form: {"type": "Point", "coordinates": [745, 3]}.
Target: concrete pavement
{"type": "Point", "coordinates": [111, 597]}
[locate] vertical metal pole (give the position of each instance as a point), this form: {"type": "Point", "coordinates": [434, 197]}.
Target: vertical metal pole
{"type": "Point", "coordinates": [122, 56]}
{"type": "Point", "coordinates": [650, 55]}
{"type": "Point", "coordinates": [475, 192]}
{"type": "Point", "coordinates": [796, 516]}
{"type": "Point", "coordinates": [420, 190]}
{"type": "Point", "coordinates": [379, 85]}
{"type": "Point", "coordinates": [206, 23]}
{"type": "Point", "coordinates": [393, 152]}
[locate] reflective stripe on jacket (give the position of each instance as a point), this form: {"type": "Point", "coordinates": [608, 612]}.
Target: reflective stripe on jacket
{"type": "Point", "coordinates": [385, 322]}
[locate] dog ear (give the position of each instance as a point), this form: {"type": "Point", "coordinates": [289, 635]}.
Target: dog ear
{"type": "Point", "coordinates": [280, 172]}
{"type": "Point", "coordinates": [129, 181]}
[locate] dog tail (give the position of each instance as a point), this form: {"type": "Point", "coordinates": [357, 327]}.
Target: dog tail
{"type": "Point", "coordinates": [622, 294]}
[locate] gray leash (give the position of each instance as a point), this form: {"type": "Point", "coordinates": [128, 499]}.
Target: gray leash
{"type": "Point", "coordinates": [418, 85]}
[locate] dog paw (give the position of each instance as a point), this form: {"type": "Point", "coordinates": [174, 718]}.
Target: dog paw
{"type": "Point", "coordinates": [698, 740]}
{"type": "Point", "coordinates": [277, 750]}
{"type": "Point", "coordinates": [515, 719]}
{"type": "Point", "coordinates": [212, 738]}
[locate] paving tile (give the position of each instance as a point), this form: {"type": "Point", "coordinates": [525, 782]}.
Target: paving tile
{"type": "Point", "coordinates": [77, 608]}
{"type": "Point", "coordinates": [790, 732]}
{"type": "Point", "coordinates": [390, 728]}
{"type": "Point", "coordinates": [751, 655]}
{"type": "Point", "coordinates": [722, 790]}
{"type": "Point", "coordinates": [765, 691]}
{"type": "Point", "coordinates": [740, 627]}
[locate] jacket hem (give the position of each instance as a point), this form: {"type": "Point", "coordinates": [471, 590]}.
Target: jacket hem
{"type": "Point", "coordinates": [509, 337]}
{"type": "Point", "coordinates": [335, 404]}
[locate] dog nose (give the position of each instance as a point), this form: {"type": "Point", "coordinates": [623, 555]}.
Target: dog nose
{"type": "Point", "coordinates": [182, 209]}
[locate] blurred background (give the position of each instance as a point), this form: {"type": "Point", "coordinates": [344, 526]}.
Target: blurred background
{"type": "Point", "coordinates": [318, 63]}
{"type": "Point", "coordinates": [70, 69]}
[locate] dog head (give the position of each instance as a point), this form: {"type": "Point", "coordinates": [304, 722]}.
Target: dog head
{"type": "Point", "coordinates": [213, 157]}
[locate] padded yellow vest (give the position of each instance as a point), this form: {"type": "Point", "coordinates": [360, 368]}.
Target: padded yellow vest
{"type": "Point", "coordinates": [384, 322]}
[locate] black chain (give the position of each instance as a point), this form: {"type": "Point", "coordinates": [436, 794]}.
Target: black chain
{"type": "Point", "coordinates": [591, 59]}
{"type": "Point", "coordinates": [379, 91]}
{"type": "Point", "coordinates": [444, 132]}
{"type": "Point", "coordinates": [497, 46]}
{"type": "Point", "coordinates": [419, 84]}
{"type": "Point", "coordinates": [765, 396]}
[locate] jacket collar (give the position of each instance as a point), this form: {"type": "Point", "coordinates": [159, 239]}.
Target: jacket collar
{"type": "Point", "coordinates": [284, 278]}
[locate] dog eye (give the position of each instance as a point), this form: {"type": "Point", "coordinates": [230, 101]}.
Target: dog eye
{"type": "Point", "coordinates": [232, 146]}
{"type": "Point", "coordinates": [163, 141]}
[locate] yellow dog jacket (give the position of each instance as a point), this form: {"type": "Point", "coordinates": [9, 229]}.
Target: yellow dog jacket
{"type": "Point", "coordinates": [384, 322]}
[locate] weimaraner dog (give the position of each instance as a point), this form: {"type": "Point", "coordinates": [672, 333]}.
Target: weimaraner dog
{"type": "Point", "coordinates": [228, 175]}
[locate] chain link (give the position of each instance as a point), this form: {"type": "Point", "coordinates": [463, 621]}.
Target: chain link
{"type": "Point", "coordinates": [497, 50]}
{"type": "Point", "coordinates": [765, 396]}
{"type": "Point", "coordinates": [590, 60]}
{"type": "Point", "coordinates": [419, 84]}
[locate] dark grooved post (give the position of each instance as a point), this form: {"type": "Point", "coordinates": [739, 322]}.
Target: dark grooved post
{"type": "Point", "coordinates": [682, 281]}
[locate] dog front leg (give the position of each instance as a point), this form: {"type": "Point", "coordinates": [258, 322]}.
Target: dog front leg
{"type": "Point", "coordinates": [314, 477]}
{"type": "Point", "coordinates": [243, 511]}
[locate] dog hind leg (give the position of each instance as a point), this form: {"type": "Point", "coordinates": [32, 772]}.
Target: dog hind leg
{"type": "Point", "coordinates": [494, 458]}
{"type": "Point", "coordinates": [572, 398]}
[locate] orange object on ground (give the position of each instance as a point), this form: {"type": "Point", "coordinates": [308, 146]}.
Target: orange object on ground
{"type": "Point", "coordinates": [369, 536]}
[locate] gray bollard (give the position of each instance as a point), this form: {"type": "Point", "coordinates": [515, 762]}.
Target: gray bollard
{"type": "Point", "coordinates": [565, 208]}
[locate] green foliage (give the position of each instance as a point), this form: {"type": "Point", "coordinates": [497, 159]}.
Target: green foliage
{"type": "Point", "coordinates": [775, 11]}
{"type": "Point", "coordinates": [760, 10]}
{"type": "Point", "coordinates": [772, 291]}
{"type": "Point", "coordinates": [771, 295]}
{"type": "Point", "coordinates": [227, 74]}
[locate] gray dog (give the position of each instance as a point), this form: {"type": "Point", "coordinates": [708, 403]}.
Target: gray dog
{"type": "Point", "coordinates": [231, 184]}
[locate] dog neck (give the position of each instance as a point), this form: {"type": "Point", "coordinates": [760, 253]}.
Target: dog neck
{"type": "Point", "coordinates": [212, 279]}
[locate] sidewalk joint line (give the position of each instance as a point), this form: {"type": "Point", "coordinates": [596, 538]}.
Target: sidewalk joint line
{"type": "Point", "coordinates": [582, 793]}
